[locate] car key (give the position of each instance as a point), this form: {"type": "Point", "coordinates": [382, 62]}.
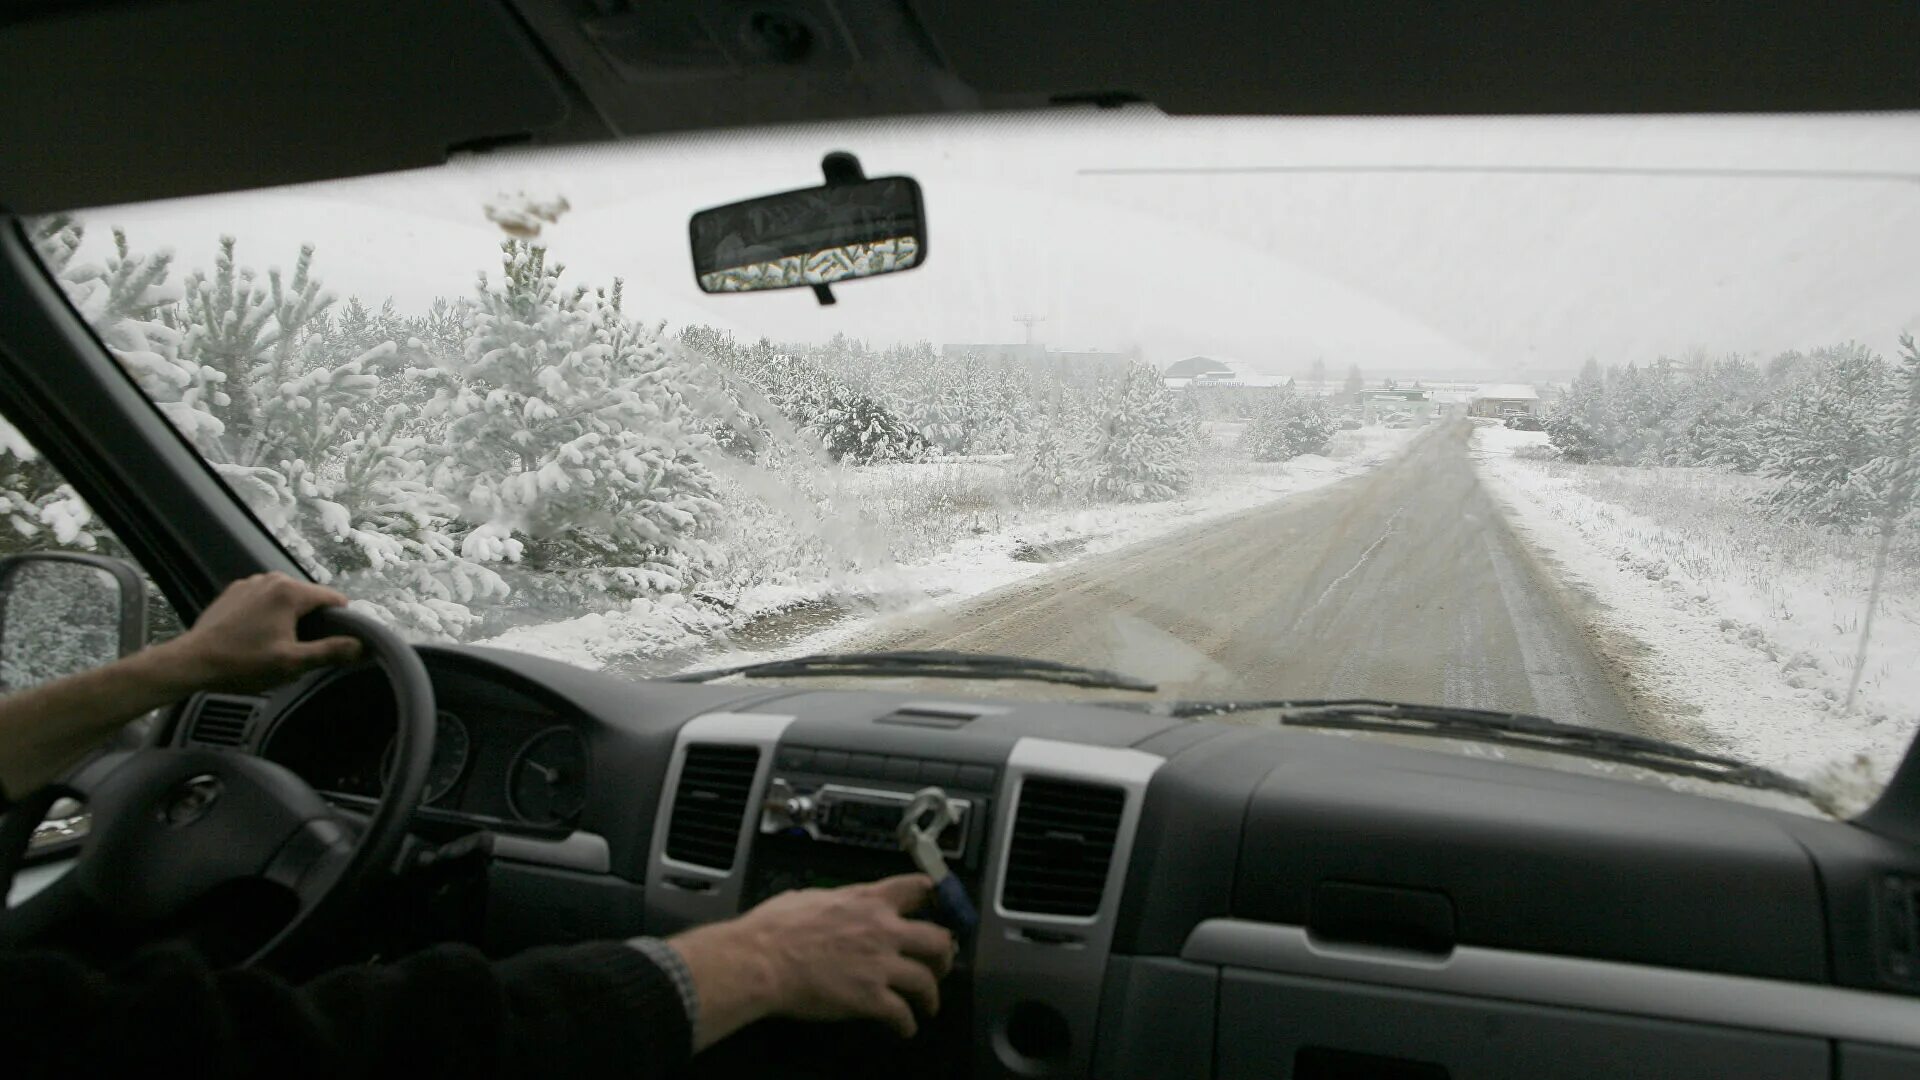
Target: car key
{"type": "Point", "coordinates": [953, 908]}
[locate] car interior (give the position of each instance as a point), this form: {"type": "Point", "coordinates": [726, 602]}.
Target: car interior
{"type": "Point", "coordinates": [1157, 895]}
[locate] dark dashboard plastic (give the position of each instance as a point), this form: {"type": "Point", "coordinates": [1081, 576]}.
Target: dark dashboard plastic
{"type": "Point", "coordinates": [1253, 824]}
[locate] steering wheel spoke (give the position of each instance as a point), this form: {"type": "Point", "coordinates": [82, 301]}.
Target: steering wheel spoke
{"type": "Point", "coordinates": [312, 861]}
{"type": "Point", "coordinates": [41, 917]}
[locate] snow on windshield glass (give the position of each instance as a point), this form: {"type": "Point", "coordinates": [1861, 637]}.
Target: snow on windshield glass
{"type": "Point", "coordinates": [1609, 420]}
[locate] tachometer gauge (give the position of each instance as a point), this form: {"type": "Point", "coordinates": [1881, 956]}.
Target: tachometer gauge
{"type": "Point", "coordinates": [548, 782]}
{"type": "Point", "coordinates": [450, 747]}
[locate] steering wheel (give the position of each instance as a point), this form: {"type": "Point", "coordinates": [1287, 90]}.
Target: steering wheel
{"type": "Point", "coordinates": [169, 826]}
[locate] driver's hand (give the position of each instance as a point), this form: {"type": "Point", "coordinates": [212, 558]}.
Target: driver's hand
{"type": "Point", "coordinates": [245, 642]}
{"type": "Point", "coordinates": [822, 954]}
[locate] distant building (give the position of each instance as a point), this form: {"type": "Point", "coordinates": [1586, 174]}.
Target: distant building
{"type": "Point", "coordinates": [1379, 403]}
{"type": "Point", "coordinates": [1505, 399]}
{"type": "Point", "coordinates": [1219, 371]}
{"type": "Point", "coordinates": [1198, 371]}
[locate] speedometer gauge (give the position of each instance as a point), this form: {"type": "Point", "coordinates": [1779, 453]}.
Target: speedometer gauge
{"type": "Point", "coordinates": [450, 749]}
{"type": "Point", "coordinates": [548, 782]}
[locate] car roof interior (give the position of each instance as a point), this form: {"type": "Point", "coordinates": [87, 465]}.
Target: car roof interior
{"type": "Point", "coordinates": [362, 86]}
{"type": "Point", "coordinates": [1369, 909]}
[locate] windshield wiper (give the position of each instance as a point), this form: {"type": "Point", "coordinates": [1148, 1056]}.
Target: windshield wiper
{"type": "Point", "coordinates": [1506, 729]}
{"type": "Point", "coordinates": [932, 665]}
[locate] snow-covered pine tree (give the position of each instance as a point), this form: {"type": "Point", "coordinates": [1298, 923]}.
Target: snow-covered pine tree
{"type": "Point", "coordinates": [856, 428]}
{"type": "Point", "coordinates": [1287, 425]}
{"type": "Point", "coordinates": [850, 425]}
{"type": "Point", "coordinates": [245, 375]}
{"type": "Point", "coordinates": [1824, 432]}
{"type": "Point", "coordinates": [1646, 405]}
{"type": "Point", "coordinates": [1010, 411]}
{"type": "Point", "coordinates": [37, 509]}
{"type": "Point", "coordinates": [1190, 423]}
{"type": "Point", "coordinates": [936, 402]}
{"type": "Point", "coordinates": [313, 437]}
{"type": "Point", "coordinates": [730, 409]}
{"type": "Point", "coordinates": [1892, 478]}
{"type": "Point", "coordinates": [1581, 425]}
{"type": "Point", "coordinates": [1724, 403]}
{"type": "Point", "coordinates": [567, 447]}
{"type": "Point", "coordinates": [1042, 468]}
{"type": "Point", "coordinates": [1133, 448]}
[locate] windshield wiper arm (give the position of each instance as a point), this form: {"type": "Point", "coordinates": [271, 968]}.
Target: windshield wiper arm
{"type": "Point", "coordinates": [933, 664]}
{"type": "Point", "coordinates": [1506, 729]}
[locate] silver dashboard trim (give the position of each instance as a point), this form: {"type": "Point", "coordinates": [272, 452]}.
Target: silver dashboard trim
{"type": "Point", "coordinates": [1741, 1001]}
{"type": "Point", "coordinates": [583, 851]}
{"type": "Point", "coordinates": [670, 904]}
{"type": "Point", "coordinates": [1058, 960]}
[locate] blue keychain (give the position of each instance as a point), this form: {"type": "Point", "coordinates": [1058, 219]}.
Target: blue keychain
{"type": "Point", "coordinates": [921, 840]}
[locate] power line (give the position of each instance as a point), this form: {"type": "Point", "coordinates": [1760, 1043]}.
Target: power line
{"type": "Point", "coordinates": [1873, 176]}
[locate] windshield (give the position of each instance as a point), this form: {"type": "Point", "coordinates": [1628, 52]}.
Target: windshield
{"type": "Point", "coordinates": [1608, 420]}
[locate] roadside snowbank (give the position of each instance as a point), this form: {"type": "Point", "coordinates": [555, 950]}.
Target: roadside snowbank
{"type": "Point", "coordinates": [1001, 544]}
{"type": "Point", "coordinates": [1739, 630]}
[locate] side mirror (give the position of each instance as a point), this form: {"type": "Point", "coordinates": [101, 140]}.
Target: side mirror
{"type": "Point", "coordinates": [62, 613]}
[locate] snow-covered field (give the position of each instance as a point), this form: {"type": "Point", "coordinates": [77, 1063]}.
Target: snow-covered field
{"type": "Point", "coordinates": [949, 530]}
{"type": "Point", "coordinates": [1740, 629]}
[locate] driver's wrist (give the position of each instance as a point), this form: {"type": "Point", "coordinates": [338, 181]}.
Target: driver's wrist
{"type": "Point", "coordinates": [175, 668]}
{"type": "Point", "coordinates": [735, 975]}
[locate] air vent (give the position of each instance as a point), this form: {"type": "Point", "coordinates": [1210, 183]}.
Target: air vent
{"type": "Point", "coordinates": [1900, 919]}
{"type": "Point", "coordinates": [710, 804]}
{"type": "Point", "coordinates": [221, 720]}
{"type": "Point", "coordinates": [1063, 835]}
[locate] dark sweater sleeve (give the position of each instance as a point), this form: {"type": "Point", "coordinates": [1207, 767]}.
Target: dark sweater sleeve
{"type": "Point", "coordinates": [578, 1011]}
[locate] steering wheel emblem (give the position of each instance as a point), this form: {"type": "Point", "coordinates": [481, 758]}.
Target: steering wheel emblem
{"type": "Point", "coordinates": [190, 801]}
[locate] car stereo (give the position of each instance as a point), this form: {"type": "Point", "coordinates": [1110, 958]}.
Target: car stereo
{"type": "Point", "coordinates": [855, 816]}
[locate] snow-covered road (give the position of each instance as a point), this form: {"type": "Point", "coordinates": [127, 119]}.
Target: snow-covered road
{"type": "Point", "coordinates": [1739, 628]}
{"type": "Point", "coordinates": [1404, 582]}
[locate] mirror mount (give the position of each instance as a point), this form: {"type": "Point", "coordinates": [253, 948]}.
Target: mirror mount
{"type": "Point", "coordinates": [841, 169]}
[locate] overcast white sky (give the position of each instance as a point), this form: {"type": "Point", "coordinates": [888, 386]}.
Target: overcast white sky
{"type": "Point", "coordinates": [1499, 274]}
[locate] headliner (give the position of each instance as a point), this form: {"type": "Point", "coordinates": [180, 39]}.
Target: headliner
{"type": "Point", "coordinates": [219, 95]}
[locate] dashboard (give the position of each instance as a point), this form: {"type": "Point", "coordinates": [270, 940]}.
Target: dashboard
{"type": "Point", "coordinates": [1159, 897]}
{"type": "Point", "coordinates": [501, 754]}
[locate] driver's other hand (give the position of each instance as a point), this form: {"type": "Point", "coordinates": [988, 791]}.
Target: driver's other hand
{"type": "Point", "coordinates": [847, 953]}
{"type": "Point", "coordinates": [245, 640]}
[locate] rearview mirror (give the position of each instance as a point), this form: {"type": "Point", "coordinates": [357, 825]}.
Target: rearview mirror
{"type": "Point", "coordinates": [817, 236]}
{"type": "Point", "coordinates": [63, 613]}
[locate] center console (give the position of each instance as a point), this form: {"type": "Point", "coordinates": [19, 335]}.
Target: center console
{"type": "Point", "coordinates": [757, 804]}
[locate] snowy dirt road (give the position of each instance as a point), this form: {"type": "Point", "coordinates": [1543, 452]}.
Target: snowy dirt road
{"type": "Point", "coordinates": [1403, 583]}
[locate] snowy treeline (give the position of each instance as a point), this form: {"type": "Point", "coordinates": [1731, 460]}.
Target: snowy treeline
{"type": "Point", "coordinates": [1112, 436]}
{"type": "Point", "coordinates": [531, 449]}
{"type": "Point", "coordinates": [1838, 428]}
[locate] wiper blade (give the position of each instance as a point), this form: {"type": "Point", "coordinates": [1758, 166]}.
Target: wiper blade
{"type": "Point", "coordinates": [928, 664]}
{"type": "Point", "coordinates": [1506, 729]}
